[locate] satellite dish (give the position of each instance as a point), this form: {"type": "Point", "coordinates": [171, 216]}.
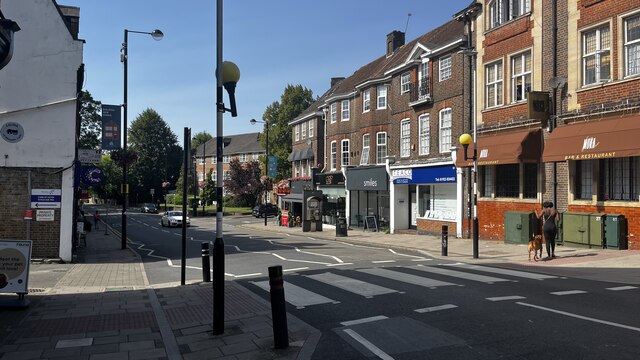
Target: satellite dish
{"type": "Point", "coordinates": [557, 82]}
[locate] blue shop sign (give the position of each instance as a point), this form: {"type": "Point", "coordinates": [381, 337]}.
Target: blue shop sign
{"type": "Point", "coordinates": [424, 175]}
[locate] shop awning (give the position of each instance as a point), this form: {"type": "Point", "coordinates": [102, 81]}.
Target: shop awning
{"type": "Point", "coordinates": [508, 148]}
{"type": "Point", "coordinates": [594, 140]}
{"type": "Point", "coordinates": [293, 198]}
{"type": "Point", "coordinates": [292, 155]}
{"type": "Point", "coordinates": [308, 154]}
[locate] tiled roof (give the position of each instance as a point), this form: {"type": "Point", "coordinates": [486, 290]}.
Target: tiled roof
{"type": "Point", "coordinates": [237, 144]}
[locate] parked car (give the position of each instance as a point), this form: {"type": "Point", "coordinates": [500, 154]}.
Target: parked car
{"type": "Point", "coordinates": [173, 218]}
{"type": "Point", "coordinates": [149, 208]}
{"type": "Point", "coordinates": [259, 210]}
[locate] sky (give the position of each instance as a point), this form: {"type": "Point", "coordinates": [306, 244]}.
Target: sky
{"type": "Point", "coordinates": [274, 43]}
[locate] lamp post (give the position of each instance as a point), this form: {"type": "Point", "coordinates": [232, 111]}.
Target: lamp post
{"type": "Point", "coordinates": [465, 140]}
{"type": "Point", "coordinates": [266, 163]}
{"type": "Point", "coordinates": [227, 75]}
{"type": "Point", "coordinates": [204, 175]}
{"type": "Point", "coordinates": [165, 186]}
{"type": "Point", "coordinates": [156, 35]}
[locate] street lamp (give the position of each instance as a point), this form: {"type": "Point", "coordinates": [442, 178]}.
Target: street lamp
{"type": "Point", "coordinates": [156, 35]}
{"type": "Point", "coordinates": [227, 75]}
{"type": "Point", "coordinates": [465, 140]}
{"type": "Point", "coordinates": [266, 163]}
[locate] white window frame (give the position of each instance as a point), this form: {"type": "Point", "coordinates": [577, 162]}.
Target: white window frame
{"type": "Point", "coordinates": [366, 149]}
{"type": "Point", "coordinates": [444, 67]}
{"type": "Point", "coordinates": [201, 175]}
{"type": "Point", "coordinates": [333, 157]}
{"type": "Point", "coordinates": [381, 95]}
{"type": "Point", "coordinates": [345, 110]}
{"type": "Point", "coordinates": [631, 49]}
{"type": "Point", "coordinates": [297, 132]}
{"type": "Point", "coordinates": [296, 167]}
{"type": "Point", "coordinates": [334, 112]}
{"type": "Point", "coordinates": [366, 100]}
{"type": "Point", "coordinates": [424, 133]}
{"type": "Point", "coordinates": [494, 85]}
{"type": "Point", "coordinates": [243, 157]}
{"type": "Point", "coordinates": [303, 167]}
{"type": "Point", "coordinates": [523, 76]}
{"type": "Point", "coordinates": [405, 138]}
{"type": "Point", "coordinates": [303, 130]}
{"type": "Point", "coordinates": [311, 128]}
{"type": "Point", "coordinates": [423, 77]}
{"type": "Point", "coordinates": [214, 175]}
{"type": "Point", "coordinates": [203, 161]}
{"type": "Point", "coordinates": [226, 159]}
{"type": "Point", "coordinates": [445, 117]}
{"type": "Point", "coordinates": [381, 147]}
{"type": "Point", "coordinates": [598, 55]}
{"type": "Point", "coordinates": [344, 150]}
{"type": "Point", "coordinates": [502, 11]}
{"type": "Point", "coordinates": [405, 82]}
{"type": "Point", "coordinates": [214, 160]}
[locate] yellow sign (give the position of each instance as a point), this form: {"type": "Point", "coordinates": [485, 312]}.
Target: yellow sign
{"type": "Point", "coordinates": [121, 187]}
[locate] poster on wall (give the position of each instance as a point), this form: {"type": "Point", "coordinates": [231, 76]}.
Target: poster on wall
{"type": "Point", "coordinates": [15, 256]}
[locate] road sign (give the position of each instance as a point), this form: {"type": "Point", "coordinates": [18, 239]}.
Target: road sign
{"type": "Point", "coordinates": [89, 156]}
{"type": "Point", "coordinates": [45, 215]}
{"type": "Point", "coordinates": [46, 198]}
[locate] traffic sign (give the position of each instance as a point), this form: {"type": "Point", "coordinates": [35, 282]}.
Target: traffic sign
{"type": "Point", "coordinates": [89, 156]}
{"type": "Point", "coordinates": [46, 198]}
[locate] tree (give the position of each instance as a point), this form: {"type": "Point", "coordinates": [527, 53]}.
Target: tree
{"type": "Point", "coordinates": [110, 187]}
{"type": "Point", "coordinates": [159, 155]}
{"type": "Point", "coordinates": [294, 100]}
{"type": "Point", "coordinates": [90, 122]}
{"type": "Point", "coordinates": [209, 192]}
{"type": "Point", "coordinates": [244, 181]}
{"type": "Point", "coordinates": [199, 139]}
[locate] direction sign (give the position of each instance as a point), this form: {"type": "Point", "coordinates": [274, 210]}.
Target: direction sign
{"type": "Point", "coordinates": [46, 198]}
{"type": "Point", "coordinates": [89, 156]}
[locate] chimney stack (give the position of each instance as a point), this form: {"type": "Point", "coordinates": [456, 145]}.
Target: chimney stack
{"type": "Point", "coordinates": [395, 39]}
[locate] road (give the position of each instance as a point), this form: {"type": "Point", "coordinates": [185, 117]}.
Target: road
{"type": "Point", "coordinates": [388, 304]}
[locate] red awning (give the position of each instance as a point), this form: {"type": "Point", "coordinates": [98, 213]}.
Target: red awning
{"type": "Point", "coordinates": [504, 148]}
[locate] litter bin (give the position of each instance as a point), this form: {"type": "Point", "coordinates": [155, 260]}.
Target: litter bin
{"type": "Point", "coordinates": [341, 227]}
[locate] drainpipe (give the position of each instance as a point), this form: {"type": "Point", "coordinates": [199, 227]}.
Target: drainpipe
{"type": "Point", "coordinates": [467, 19]}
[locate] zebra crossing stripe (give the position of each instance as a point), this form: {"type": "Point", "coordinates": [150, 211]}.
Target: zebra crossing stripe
{"type": "Point", "coordinates": [501, 271]}
{"type": "Point", "coordinates": [568, 292]}
{"type": "Point", "coordinates": [621, 288]}
{"type": "Point", "coordinates": [407, 278]}
{"type": "Point", "coordinates": [298, 296]}
{"type": "Point", "coordinates": [458, 274]}
{"type": "Point", "coordinates": [503, 298]}
{"type": "Point", "coordinates": [352, 285]}
{"type": "Point", "coordinates": [362, 321]}
{"type": "Point", "coordinates": [436, 308]}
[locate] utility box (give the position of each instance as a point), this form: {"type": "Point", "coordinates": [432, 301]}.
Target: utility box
{"type": "Point", "coordinates": [596, 230]}
{"type": "Point", "coordinates": [520, 227]}
{"type": "Point", "coordinates": [575, 228]}
{"type": "Point", "coordinates": [615, 236]}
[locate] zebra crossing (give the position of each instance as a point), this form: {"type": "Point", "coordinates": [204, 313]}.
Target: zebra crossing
{"type": "Point", "coordinates": [459, 273]}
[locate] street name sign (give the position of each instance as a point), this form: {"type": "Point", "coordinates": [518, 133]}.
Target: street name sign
{"type": "Point", "coordinates": [46, 198]}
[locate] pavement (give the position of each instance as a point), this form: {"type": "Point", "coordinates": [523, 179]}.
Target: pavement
{"type": "Point", "coordinates": [103, 307]}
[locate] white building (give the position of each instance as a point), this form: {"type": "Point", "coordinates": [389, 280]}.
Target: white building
{"type": "Point", "coordinates": [38, 101]}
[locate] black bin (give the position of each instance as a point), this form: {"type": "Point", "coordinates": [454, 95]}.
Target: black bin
{"type": "Point", "coordinates": [341, 227]}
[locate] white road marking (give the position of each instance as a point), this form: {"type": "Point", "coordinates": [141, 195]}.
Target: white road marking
{"type": "Point", "coordinates": [396, 253]}
{"type": "Point", "coordinates": [374, 349]}
{"type": "Point", "coordinates": [297, 296]}
{"type": "Point", "coordinates": [337, 259]}
{"type": "Point", "coordinates": [458, 274]}
{"type": "Point", "coordinates": [423, 259]}
{"type": "Point", "coordinates": [246, 275]}
{"type": "Point", "coordinates": [295, 269]}
{"type": "Point", "coordinates": [383, 261]}
{"type": "Point", "coordinates": [342, 264]}
{"type": "Point", "coordinates": [503, 298]}
{"type": "Point", "coordinates": [351, 285]}
{"type": "Point", "coordinates": [605, 322]}
{"type": "Point", "coordinates": [281, 257]}
{"type": "Point", "coordinates": [516, 273]}
{"type": "Point", "coordinates": [568, 292]}
{"type": "Point", "coordinates": [436, 308]}
{"type": "Point", "coordinates": [407, 278]}
{"type": "Point", "coordinates": [362, 321]}
{"type": "Point", "coordinates": [621, 288]}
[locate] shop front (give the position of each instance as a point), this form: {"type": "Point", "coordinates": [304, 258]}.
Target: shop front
{"type": "Point", "coordinates": [293, 201]}
{"type": "Point", "coordinates": [332, 187]}
{"type": "Point", "coordinates": [424, 198]}
{"type": "Point", "coordinates": [603, 162]}
{"type": "Point", "coordinates": [368, 195]}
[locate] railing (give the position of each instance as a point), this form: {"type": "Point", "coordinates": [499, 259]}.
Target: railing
{"type": "Point", "coordinates": [420, 93]}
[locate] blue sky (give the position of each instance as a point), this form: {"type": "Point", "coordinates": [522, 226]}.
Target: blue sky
{"type": "Point", "coordinates": [274, 43]}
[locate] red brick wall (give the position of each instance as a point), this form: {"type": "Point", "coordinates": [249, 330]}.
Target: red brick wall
{"type": "Point", "coordinates": [434, 227]}
{"type": "Point", "coordinates": [508, 39]}
{"type": "Point", "coordinates": [632, 214]}
{"type": "Point", "coordinates": [491, 216]}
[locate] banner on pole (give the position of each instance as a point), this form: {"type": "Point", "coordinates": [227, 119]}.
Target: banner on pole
{"type": "Point", "coordinates": [111, 119]}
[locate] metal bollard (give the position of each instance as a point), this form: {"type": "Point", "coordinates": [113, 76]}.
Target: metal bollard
{"type": "Point", "coordinates": [206, 263]}
{"type": "Point", "coordinates": [445, 240]}
{"type": "Point", "coordinates": [278, 308]}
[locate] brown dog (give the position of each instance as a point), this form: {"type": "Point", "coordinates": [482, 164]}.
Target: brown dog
{"type": "Point", "coordinates": [535, 244]}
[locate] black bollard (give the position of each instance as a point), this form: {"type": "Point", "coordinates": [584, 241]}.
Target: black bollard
{"type": "Point", "coordinates": [445, 240]}
{"type": "Point", "coordinates": [206, 263]}
{"type": "Point", "coordinates": [278, 308]}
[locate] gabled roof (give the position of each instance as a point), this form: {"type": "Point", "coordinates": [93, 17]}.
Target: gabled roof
{"type": "Point", "coordinates": [235, 144]}
{"type": "Point", "coordinates": [314, 108]}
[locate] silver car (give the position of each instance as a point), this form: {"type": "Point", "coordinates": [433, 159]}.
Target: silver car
{"type": "Point", "coordinates": [173, 218]}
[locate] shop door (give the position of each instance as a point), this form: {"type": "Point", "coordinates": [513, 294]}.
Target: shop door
{"type": "Point", "coordinates": [413, 209]}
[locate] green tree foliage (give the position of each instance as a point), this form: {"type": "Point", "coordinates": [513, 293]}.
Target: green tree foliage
{"type": "Point", "coordinates": [159, 156]}
{"type": "Point", "coordinates": [90, 122]}
{"type": "Point", "coordinates": [199, 139]}
{"type": "Point", "coordinates": [294, 100]}
{"type": "Point", "coordinates": [208, 194]}
{"type": "Point", "coordinates": [110, 187]}
{"type": "Point", "coordinates": [244, 181]}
